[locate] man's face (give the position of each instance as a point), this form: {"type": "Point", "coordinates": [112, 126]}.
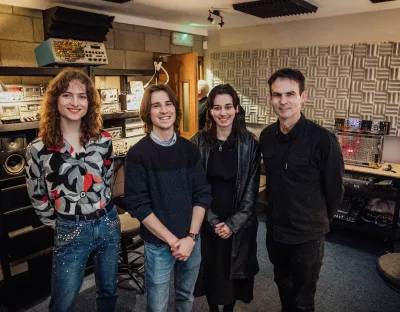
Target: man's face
{"type": "Point", "coordinates": [162, 112]}
{"type": "Point", "coordinates": [286, 99]}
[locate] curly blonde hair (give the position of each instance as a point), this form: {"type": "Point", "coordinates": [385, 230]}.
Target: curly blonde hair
{"type": "Point", "coordinates": [50, 125]}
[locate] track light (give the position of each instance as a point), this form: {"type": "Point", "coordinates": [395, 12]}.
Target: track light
{"type": "Point", "coordinates": [213, 20]}
{"type": "Point", "coordinates": [220, 24]}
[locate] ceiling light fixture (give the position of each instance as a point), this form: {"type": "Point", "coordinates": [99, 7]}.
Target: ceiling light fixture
{"type": "Point", "coordinates": [212, 20]}
{"type": "Point", "coordinates": [220, 24]}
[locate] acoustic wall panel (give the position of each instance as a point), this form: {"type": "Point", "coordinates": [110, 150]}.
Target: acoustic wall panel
{"type": "Point", "coordinates": [375, 84]}
{"type": "Point", "coordinates": [359, 81]}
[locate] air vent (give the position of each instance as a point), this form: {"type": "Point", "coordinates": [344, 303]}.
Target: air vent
{"type": "Point", "coordinates": [118, 1]}
{"type": "Point", "coordinates": [64, 23]}
{"type": "Point", "coordinates": [275, 8]}
{"type": "Point", "coordinates": [379, 1]}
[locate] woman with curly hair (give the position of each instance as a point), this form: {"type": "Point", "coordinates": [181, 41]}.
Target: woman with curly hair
{"type": "Point", "coordinates": [231, 158]}
{"type": "Point", "coordinates": [69, 171]}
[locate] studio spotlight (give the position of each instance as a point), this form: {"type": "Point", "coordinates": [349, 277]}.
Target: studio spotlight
{"type": "Point", "coordinates": [212, 20]}
{"type": "Point", "coordinates": [220, 24]}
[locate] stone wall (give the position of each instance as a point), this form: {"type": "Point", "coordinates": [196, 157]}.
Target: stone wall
{"type": "Point", "coordinates": [128, 46]}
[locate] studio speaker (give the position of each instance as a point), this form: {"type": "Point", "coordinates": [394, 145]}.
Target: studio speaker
{"type": "Point", "coordinates": [11, 144]}
{"type": "Point", "coordinates": [12, 163]}
{"type": "Point", "coordinates": [12, 156]}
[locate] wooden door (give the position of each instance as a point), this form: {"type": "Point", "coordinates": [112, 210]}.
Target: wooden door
{"type": "Point", "coordinates": [182, 71]}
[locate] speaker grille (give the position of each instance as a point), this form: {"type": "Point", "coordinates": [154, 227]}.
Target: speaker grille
{"type": "Point", "coordinates": [14, 164]}
{"type": "Point", "coordinates": [275, 8]}
{"type": "Point", "coordinates": [379, 1]}
{"type": "Point", "coordinates": [64, 23]}
{"type": "Point", "coordinates": [118, 1]}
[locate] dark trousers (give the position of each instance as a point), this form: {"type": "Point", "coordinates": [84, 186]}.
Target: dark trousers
{"type": "Point", "coordinates": [296, 272]}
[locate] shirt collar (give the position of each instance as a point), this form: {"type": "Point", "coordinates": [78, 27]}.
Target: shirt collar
{"type": "Point", "coordinates": [295, 131]}
{"type": "Point", "coordinates": [157, 140]}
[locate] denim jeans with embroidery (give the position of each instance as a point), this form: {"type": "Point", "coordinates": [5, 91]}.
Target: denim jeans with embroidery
{"type": "Point", "coordinates": [159, 263]}
{"type": "Point", "coordinates": [74, 242]}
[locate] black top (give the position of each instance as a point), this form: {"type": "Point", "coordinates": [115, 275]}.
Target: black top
{"type": "Point", "coordinates": [167, 181]}
{"type": "Point", "coordinates": [202, 108]}
{"type": "Point", "coordinates": [304, 171]}
{"type": "Point", "coordinates": [221, 174]}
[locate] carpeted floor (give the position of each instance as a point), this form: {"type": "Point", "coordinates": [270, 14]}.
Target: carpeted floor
{"type": "Point", "coordinates": [348, 283]}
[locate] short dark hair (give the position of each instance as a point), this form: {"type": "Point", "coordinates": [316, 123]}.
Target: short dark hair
{"type": "Point", "coordinates": [145, 107]}
{"type": "Point", "coordinates": [289, 73]}
{"type": "Point", "coordinates": [238, 125]}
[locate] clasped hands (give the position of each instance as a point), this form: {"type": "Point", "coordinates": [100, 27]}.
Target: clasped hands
{"type": "Point", "coordinates": [182, 248]}
{"type": "Point", "coordinates": [222, 230]}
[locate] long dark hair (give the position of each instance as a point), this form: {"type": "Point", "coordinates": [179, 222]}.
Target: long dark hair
{"type": "Point", "coordinates": [145, 107]}
{"type": "Point", "coordinates": [238, 125]}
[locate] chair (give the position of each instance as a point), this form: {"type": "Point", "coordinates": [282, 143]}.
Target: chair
{"type": "Point", "coordinates": [130, 240]}
{"type": "Point", "coordinates": [388, 267]}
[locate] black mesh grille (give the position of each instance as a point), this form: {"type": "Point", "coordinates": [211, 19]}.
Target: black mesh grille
{"type": "Point", "coordinates": [275, 8]}
{"type": "Point", "coordinates": [118, 1]}
{"type": "Point", "coordinates": [60, 22]}
{"type": "Point", "coordinates": [379, 1]}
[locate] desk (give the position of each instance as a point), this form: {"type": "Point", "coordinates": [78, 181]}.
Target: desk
{"type": "Point", "coordinates": [379, 172]}
{"type": "Point", "coordinates": [382, 193]}
{"type": "Point", "coordinates": [390, 194]}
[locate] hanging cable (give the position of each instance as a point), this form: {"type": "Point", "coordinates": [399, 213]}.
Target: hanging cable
{"type": "Point", "coordinates": [157, 68]}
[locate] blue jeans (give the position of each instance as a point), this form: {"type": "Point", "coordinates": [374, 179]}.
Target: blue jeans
{"type": "Point", "coordinates": [159, 262]}
{"type": "Point", "coordinates": [73, 243]}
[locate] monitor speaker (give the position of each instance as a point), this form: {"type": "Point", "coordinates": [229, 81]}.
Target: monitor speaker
{"type": "Point", "coordinates": [12, 163]}
{"type": "Point", "coordinates": [12, 156]}
{"type": "Point", "coordinates": [11, 144]}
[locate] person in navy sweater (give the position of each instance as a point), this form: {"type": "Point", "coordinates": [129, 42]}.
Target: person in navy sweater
{"type": "Point", "coordinates": [166, 190]}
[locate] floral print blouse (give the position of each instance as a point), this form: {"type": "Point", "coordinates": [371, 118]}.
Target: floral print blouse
{"type": "Point", "coordinates": [67, 181]}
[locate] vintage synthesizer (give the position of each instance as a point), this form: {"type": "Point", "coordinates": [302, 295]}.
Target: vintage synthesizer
{"type": "Point", "coordinates": [361, 141]}
{"type": "Point", "coordinates": [362, 126]}
{"type": "Point", "coordinates": [68, 51]}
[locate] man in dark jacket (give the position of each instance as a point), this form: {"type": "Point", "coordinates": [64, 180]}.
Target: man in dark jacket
{"type": "Point", "coordinates": [202, 90]}
{"type": "Point", "coordinates": [304, 168]}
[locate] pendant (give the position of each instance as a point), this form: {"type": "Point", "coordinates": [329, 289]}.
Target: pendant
{"type": "Point", "coordinates": [220, 148]}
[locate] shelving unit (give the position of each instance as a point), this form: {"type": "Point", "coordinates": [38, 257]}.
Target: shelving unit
{"type": "Point", "coordinates": [14, 201]}
{"type": "Point", "coordinates": [29, 71]}
{"type": "Point", "coordinates": [390, 231]}
{"type": "Point", "coordinates": [20, 126]}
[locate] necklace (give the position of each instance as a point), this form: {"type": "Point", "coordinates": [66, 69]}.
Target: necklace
{"type": "Point", "coordinates": [220, 145]}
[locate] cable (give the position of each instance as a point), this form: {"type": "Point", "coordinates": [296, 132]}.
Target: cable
{"type": "Point", "coordinates": [165, 73]}
{"type": "Point", "coordinates": [157, 68]}
{"type": "Point", "coordinates": [155, 72]}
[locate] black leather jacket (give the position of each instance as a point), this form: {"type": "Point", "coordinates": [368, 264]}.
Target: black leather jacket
{"type": "Point", "coordinates": [243, 221]}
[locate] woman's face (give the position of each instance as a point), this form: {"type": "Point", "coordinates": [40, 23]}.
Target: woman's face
{"type": "Point", "coordinates": [73, 103]}
{"type": "Point", "coordinates": [223, 112]}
